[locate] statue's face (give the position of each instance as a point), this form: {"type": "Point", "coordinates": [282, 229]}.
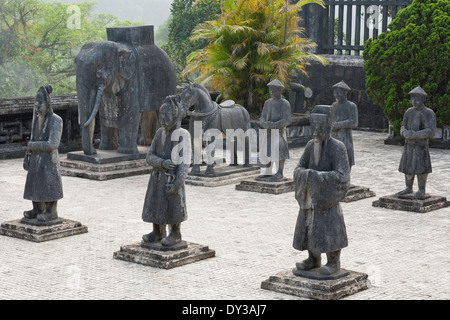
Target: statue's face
{"type": "Point", "coordinates": [320, 131]}
{"type": "Point", "coordinates": [41, 107]}
{"type": "Point", "coordinates": [275, 92]}
{"type": "Point", "coordinates": [167, 119]}
{"type": "Point", "coordinates": [417, 100]}
{"type": "Point", "coordinates": [340, 94]}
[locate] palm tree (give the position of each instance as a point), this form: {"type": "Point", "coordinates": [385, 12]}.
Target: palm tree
{"type": "Point", "coordinates": [251, 43]}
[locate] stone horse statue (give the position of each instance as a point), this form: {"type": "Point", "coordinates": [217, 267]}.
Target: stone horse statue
{"type": "Point", "coordinates": [227, 115]}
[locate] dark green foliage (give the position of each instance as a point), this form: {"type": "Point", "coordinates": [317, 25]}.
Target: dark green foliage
{"type": "Point", "coordinates": [416, 51]}
{"type": "Point", "coordinates": [184, 17]}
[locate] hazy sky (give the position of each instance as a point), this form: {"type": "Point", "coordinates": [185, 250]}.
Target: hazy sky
{"type": "Point", "coordinates": [152, 12]}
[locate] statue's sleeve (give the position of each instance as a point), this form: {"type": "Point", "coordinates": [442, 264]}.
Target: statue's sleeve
{"type": "Point", "coordinates": [152, 158]}
{"type": "Point", "coordinates": [404, 126]}
{"type": "Point", "coordinates": [429, 129]}
{"type": "Point", "coordinates": [351, 121]}
{"type": "Point", "coordinates": [263, 117]}
{"type": "Point", "coordinates": [328, 188]}
{"type": "Point", "coordinates": [286, 116]}
{"type": "Point", "coordinates": [53, 140]}
{"type": "Point", "coordinates": [301, 177]}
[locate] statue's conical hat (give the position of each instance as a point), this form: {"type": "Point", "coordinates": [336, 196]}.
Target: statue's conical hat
{"type": "Point", "coordinates": [342, 85]}
{"type": "Point", "coordinates": [418, 91]}
{"type": "Point", "coordinates": [275, 83]}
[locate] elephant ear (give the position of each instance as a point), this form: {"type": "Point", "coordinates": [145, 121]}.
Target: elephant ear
{"type": "Point", "coordinates": [127, 63]}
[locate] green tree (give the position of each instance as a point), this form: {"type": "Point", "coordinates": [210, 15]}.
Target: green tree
{"type": "Point", "coordinates": [42, 42]}
{"type": "Point", "coordinates": [184, 17]}
{"type": "Point", "coordinates": [416, 51]}
{"type": "Point", "coordinates": [251, 43]}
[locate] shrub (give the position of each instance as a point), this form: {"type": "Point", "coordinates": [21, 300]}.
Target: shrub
{"type": "Point", "coordinates": [414, 51]}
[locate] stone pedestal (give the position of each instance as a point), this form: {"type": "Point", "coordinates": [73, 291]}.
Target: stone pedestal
{"type": "Point", "coordinates": [156, 255]}
{"type": "Point", "coordinates": [356, 193]}
{"type": "Point", "coordinates": [312, 285]}
{"type": "Point", "coordinates": [406, 203]}
{"type": "Point", "coordinates": [253, 185]}
{"type": "Point", "coordinates": [33, 230]}
{"type": "Point", "coordinates": [223, 175]}
{"type": "Point", "coordinates": [105, 165]}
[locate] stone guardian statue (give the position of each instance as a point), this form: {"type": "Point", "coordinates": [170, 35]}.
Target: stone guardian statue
{"type": "Point", "coordinates": [345, 119]}
{"type": "Point", "coordinates": [276, 115]}
{"type": "Point", "coordinates": [418, 126]}
{"type": "Point", "coordinates": [165, 200]}
{"type": "Point", "coordinates": [322, 179]}
{"type": "Point", "coordinates": [43, 185]}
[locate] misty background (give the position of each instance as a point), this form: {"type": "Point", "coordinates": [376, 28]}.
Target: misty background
{"type": "Point", "coordinates": [149, 12]}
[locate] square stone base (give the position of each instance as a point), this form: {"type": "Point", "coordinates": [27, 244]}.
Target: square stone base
{"type": "Point", "coordinates": [32, 230]}
{"type": "Point", "coordinates": [223, 175]}
{"type": "Point", "coordinates": [164, 259]}
{"type": "Point", "coordinates": [266, 186]}
{"type": "Point", "coordinates": [413, 205]}
{"type": "Point", "coordinates": [105, 165]}
{"type": "Point", "coordinates": [356, 193]}
{"type": "Point", "coordinates": [289, 283]}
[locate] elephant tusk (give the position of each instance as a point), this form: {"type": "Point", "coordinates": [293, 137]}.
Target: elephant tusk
{"type": "Point", "coordinates": [96, 106]}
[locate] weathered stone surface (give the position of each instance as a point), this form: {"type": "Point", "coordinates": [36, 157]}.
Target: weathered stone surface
{"type": "Point", "coordinates": [40, 233]}
{"type": "Point", "coordinates": [266, 186]}
{"type": "Point", "coordinates": [223, 175]}
{"type": "Point", "coordinates": [356, 193]}
{"type": "Point", "coordinates": [164, 259]}
{"type": "Point", "coordinates": [413, 205]}
{"type": "Point", "coordinates": [287, 282]}
{"type": "Point", "coordinates": [105, 165]}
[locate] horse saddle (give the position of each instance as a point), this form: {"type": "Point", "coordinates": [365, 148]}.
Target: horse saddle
{"type": "Point", "coordinates": [228, 104]}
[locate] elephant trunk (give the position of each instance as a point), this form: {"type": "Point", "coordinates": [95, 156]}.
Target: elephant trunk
{"type": "Point", "coordinates": [96, 106]}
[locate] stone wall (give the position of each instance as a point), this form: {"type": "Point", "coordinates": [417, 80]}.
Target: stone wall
{"type": "Point", "coordinates": [16, 115]}
{"type": "Point", "coordinates": [319, 89]}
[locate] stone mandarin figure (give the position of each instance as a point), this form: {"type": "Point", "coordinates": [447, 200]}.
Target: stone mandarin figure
{"type": "Point", "coordinates": [43, 185]}
{"type": "Point", "coordinates": [322, 179]}
{"type": "Point", "coordinates": [165, 201]}
{"type": "Point", "coordinates": [418, 126]}
{"type": "Point", "coordinates": [345, 118]}
{"type": "Point", "coordinates": [276, 115]}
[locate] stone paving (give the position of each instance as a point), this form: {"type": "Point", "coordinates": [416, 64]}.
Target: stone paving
{"type": "Point", "coordinates": [405, 254]}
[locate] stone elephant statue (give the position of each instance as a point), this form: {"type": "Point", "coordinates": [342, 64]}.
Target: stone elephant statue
{"type": "Point", "coordinates": [125, 81]}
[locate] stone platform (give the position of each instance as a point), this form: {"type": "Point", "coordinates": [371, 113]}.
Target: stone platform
{"type": "Point", "coordinates": [411, 204]}
{"type": "Point", "coordinates": [32, 230]}
{"type": "Point", "coordinates": [356, 193]}
{"type": "Point", "coordinates": [156, 255]}
{"type": "Point", "coordinates": [223, 175]}
{"type": "Point", "coordinates": [345, 284]}
{"type": "Point", "coordinates": [105, 165]}
{"type": "Point", "coordinates": [260, 186]}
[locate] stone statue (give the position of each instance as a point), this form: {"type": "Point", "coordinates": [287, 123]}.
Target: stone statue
{"type": "Point", "coordinates": [43, 185]}
{"type": "Point", "coordinates": [345, 119]}
{"type": "Point", "coordinates": [418, 126]}
{"type": "Point", "coordinates": [276, 115]}
{"type": "Point", "coordinates": [165, 200]}
{"type": "Point", "coordinates": [322, 179]}
{"type": "Point", "coordinates": [124, 81]}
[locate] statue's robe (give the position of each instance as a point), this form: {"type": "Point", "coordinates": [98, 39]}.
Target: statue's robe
{"type": "Point", "coordinates": [416, 155]}
{"type": "Point", "coordinates": [345, 119]}
{"type": "Point", "coordinates": [44, 182]}
{"type": "Point", "coordinates": [159, 207]}
{"type": "Point", "coordinates": [319, 188]}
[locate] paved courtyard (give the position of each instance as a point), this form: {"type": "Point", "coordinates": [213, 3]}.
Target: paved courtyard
{"type": "Point", "coordinates": [405, 254]}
